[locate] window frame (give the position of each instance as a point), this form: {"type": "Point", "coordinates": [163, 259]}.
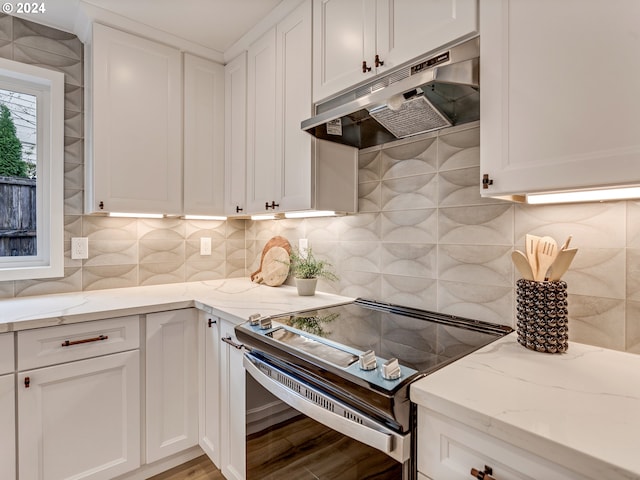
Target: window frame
{"type": "Point", "coordinates": [48, 87]}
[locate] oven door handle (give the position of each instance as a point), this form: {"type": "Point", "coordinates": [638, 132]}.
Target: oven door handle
{"type": "Point", "coordinates": [395, 445]}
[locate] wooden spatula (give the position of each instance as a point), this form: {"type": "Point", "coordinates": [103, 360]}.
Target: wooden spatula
{"type": "Point", "coordinates": [522, 264]}
{"type": "Point", "coordinates": [561, 264]}
{"type": "Point", "coordinates": [547, 253]}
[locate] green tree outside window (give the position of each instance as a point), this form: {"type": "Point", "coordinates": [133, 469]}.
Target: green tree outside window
{"type": "Point", "coordinates": [11, 163]}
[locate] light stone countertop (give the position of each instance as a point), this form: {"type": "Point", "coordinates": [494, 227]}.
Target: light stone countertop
{"type": "Point", "coordinates": [234, 299]}
{"type": "Point", "coordinates": [580, 409]}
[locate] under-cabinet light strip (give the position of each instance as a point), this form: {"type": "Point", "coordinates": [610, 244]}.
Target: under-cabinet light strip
{"type": "Point", "coordinates": [317, 213]}
{"type": "Point", "coordinates": [204, 217]}
{"type": "Point", "coordinates": [599, 195]}
{"type": "Point", "coordinates": [136, 215]}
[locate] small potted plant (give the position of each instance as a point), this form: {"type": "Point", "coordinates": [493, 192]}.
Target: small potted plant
{"type": "Point", "coordinates": [307, 269]}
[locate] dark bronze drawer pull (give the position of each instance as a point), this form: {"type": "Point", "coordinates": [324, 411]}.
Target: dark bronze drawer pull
{"type": "Point", "coordinates": [67, 343]}
{"type": "Point", "coordinates": [229, 341]}
{"type": "Point", "coordinates": [486, 475]}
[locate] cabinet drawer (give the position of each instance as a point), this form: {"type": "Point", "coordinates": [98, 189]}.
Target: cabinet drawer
{"type": "Point", "coordinates": [448, 450]}
{"type": "Point", "coordinates": [6, 353]}
{"type": "Point", "coordinates": [66, 343]}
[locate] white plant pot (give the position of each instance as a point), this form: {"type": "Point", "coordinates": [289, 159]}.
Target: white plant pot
{"type": "Point", "coordinates": [306, 286]}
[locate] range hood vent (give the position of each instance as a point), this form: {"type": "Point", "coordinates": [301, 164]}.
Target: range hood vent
{"type": "Point", "coordinates": [431, 93]}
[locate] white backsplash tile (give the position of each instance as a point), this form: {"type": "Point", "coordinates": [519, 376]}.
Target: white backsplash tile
{"type": "Point", "coordinates": [417, 292]}
{"type": "Point", "coordinates": [594, 225]}
{"type": "Point", "coordinates": [597, 321]}
{"type": "Point", "coordinates": [481, 225]}
{"type": "Point", "coordinates": [478, 264]}
{"type": "Point", "coordinates": [413, 226]}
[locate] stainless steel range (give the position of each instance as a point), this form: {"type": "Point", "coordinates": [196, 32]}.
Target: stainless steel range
{"type": "Point", "coordinates": [347, 369]}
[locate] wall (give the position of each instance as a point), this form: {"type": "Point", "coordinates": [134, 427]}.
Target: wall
{"type": "Point", "coordinates": [123, 252]}
{"type": "Point", "coordinates": [423, 236]}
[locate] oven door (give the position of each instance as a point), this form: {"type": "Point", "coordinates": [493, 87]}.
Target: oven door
{"type": "Point", "coordinates": [297, 431]}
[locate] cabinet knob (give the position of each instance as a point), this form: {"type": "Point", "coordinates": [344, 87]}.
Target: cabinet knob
{"type": "Point", "coordinates": [486, 181]}
{"type": "Point", "coordinates": [485, 475]}
{"type": "Point", "coordinates": [238, 209]}
{"type": "Point", "coordinates": [365, 69]}
{"type": "Point", "coordinates": [211, 322]}
{"type": "Point", "coordinates": [101, 205]}
{"type": "Point", "coordinates": [27, 382]}
{"type": "Point", "coordinates": [273, 205]}
{"type": "Point", "coordinates": [378, 62]}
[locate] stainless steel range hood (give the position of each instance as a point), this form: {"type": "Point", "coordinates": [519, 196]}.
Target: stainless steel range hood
{"type": "Point", "coordinates": [431, 93]}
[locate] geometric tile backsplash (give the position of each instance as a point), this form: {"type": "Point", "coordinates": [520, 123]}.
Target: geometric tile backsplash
{"type": "Point", "coordinates": [423, 236]}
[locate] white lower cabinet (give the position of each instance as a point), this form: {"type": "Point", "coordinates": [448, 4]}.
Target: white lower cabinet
{"type": "Point", "coordinates": [209, 362]}
{"type": "Point", "coordinates": [232, 404]}
{"type": "Point", "coordinates": [7, 432]}
{"type": "Point", "coordinates": [80, 419]}
{"type": "Point", "coordinates": [171, 383]}
{"type": "Point", "coordinates": [448, 450]}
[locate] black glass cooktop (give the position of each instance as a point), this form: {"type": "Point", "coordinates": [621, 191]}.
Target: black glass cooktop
{"type": "Point", "coordinates": [421, 341]}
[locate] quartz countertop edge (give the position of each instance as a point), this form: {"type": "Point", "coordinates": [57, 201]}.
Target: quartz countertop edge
{"type": "Point", "coordinates": [234, 299]}
{"type": "Point", "coordinates": [580, 409]}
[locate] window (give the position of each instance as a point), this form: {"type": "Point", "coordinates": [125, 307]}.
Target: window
{"type": "Point", "coordinates": [31, 171]}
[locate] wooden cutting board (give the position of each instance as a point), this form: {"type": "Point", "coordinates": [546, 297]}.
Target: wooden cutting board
{"type": "Point", "coordinates": [275, 267]}
{"type": "Point", "coordinates": [276, 241]}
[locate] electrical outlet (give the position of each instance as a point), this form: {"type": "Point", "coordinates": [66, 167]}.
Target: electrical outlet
{"type": "Point", "coordinates": [205, 246]}
{"type": "Point", "coordinates": [79, 248]}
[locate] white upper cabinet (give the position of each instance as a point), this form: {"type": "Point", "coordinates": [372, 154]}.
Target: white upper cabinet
{"type": "Point", "coordinates": [261, 123]}
{"type": "Point", "coordinates": [558, 103]}
{"type": "Point", "coordinates": [354, 40]}
{"type": "Point", "coordinates": [293, 105]}
{"type": "Point", "coordinates": [203, 136]}
{"type": "Point", "coordinates": [407, 29]}
{"type": "Point", "coordinates": [343, 38]}
{"type": "Point", "coordinates": [235, 128]}
{"type": "Point", "coordinates": [287, 169]}
{"type": "Point", "coordinates": [135, 161]}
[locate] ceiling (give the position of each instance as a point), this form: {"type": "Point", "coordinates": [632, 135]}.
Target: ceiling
{"type": "Point", "coordinates": [214, 24]}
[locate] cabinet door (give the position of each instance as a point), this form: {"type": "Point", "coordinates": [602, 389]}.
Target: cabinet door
{"type": "Point", "coordinates": [81, 419]}
{"type": "Point", "coordinates": [554, 112]}
{"type": "Point", "coordinates": [235, 155]}
{"type": "Point", "coordinates": [203, 137]}
{"type": "Point", "coordinates": [7, 363]}
{"type": "Point", "coordinates": [448, 450]}
{"type": "Point", "coordinates": [409, 28]}
{"type": "Point", "coordinates": [7, 432]}
{"type": "Point", "coordinates": [209, 363]}
{"type": "Point", "coordinates": [232, 411]}
{"type": "Point", "coordinates": [261, 127]}
{"type": "Point", "coordinates": [136, 164]}
{"type": "Point", "coordinates": [172, 383]}
{"type": "Point", "coordinates": [343, 37]}
{"type": "Point", "coordinates": [293, 105]}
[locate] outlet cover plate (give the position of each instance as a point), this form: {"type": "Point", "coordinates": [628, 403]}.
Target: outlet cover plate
{"type": "Point", "coordinates": [79, 248]}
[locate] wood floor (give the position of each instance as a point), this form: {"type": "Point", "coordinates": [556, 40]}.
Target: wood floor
{"type": "Point", "coordinates": [298, 449]}
{"type": "Point", "coordinates": [199, 468]}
